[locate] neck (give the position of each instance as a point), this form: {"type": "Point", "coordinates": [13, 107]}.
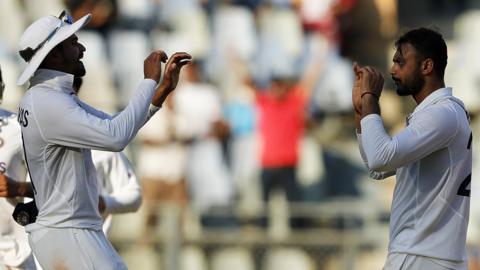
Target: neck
{"type": "Point", "coordinates": [428, 88]}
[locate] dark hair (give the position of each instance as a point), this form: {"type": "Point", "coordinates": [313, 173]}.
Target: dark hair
{"type": "Point", "coordinates": [429, 44]}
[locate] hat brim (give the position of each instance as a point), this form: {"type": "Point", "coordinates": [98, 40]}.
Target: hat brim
{"type": "Point", "coordinates": [63, 33]}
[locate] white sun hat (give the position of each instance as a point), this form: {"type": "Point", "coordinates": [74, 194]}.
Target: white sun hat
{"type": "Point", "coordinates": [42, 36]}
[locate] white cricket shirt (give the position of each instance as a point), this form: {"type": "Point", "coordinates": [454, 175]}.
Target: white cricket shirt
{"type": "Point", "coordinates": [14, 248]}
{"type": "Point", "coordinates": [432, 158]}
{"type": "Point", "coordinates": [58, 132]}
{"type": "Point", "coordinates": [119, 186]}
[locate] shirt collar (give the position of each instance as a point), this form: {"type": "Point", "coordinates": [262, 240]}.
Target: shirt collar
{"type": "Point", "coordinates": [434, 97]}
{"type": "Point", "coordinates": [54, 79]}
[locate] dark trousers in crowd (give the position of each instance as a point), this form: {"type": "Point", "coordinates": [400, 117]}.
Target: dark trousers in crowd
{"type": "Point", "coordinates": [284, 179]}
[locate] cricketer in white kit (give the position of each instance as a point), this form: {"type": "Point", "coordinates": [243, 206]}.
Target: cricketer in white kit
{"type": "Point", "coordinates": [431, 156]}
{"type": "Point", "coordinates": [58, 132]}
{"type": "Point", "coordinates": [120, 188]}
{"type": "Point", "coordinates": [15, 253]}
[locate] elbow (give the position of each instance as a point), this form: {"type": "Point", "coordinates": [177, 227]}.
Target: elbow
{"type": "Point", "coordinates": [378, 175]}
{"type": "Point", "coordinates": [375, 164]}
{"type": "Point", "coordinates": [118, 144]}
{"type": "Point", "coordinates": [380, 164]}
{"type": "Point", "coordinates": [381, 159]}
{"type": "Point", "coordinates": [136, 203]}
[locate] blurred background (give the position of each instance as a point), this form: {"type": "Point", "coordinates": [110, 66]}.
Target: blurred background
{"type": "Point", "coordinates": [253, 163]}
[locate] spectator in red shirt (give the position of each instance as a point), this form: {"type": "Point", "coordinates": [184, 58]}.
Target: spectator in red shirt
{"type": "Point", "coordinates": [282, 114]}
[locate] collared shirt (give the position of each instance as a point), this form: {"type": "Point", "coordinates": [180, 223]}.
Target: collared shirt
{"type": "Point", "coordinates": [58, 132]}
{"type": "Point", "coordinates": [14, 248]}
{"type": "Point", "coordinates": [432, 158]}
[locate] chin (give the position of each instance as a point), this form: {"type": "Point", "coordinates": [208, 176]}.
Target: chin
{"type": "Point", "coordinates": [80, 71]}
{"type": "Point", "coordinates": [403, 92]}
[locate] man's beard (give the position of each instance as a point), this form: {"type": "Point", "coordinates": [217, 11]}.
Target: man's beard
{"type": "Point", "coordinates": [80, 71]}
{"type": "Point", "coordinates": [411, 87]}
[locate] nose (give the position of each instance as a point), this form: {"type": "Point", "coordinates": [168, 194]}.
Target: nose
{"type": "Point", "coordinates": [392, 70]}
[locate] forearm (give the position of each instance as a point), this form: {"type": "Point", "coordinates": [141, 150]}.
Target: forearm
{"type": "Point", "coordinates": [79, 127]}
{"type": "Point", "coordinates": [160, 95]}
{"type": "Point", "coordinates": [12, 189]}
{"type": "Point", "coordinates": [158, 98]}
{"type": "Point", "coordinates": [377, 175]}
{"type": "Point", "coordinates": [25, 189]}
{"type": "Point", "coordinates": [377, 144]}
{"type": "Point", "coordinates": [370, 105]}
{"type": "Point", "coordinates": [358, 118]}
{"type": "Point", "coordinates": [380, 148]}
{"type": "Point", "coordinates": [123, 202]}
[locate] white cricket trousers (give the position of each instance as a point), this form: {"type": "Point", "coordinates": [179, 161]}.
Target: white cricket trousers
{"type": "Point", "coordinates": [73, 249]}
{"type": "Point", "coordinates": [402, 261]}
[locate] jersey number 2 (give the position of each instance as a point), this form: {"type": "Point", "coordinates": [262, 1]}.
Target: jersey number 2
{"type": "Point", "coordinates": [462, 190]}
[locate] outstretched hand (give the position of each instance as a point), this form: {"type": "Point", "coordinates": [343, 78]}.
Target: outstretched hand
{"type": "Point", "coordinates": [172, 70]}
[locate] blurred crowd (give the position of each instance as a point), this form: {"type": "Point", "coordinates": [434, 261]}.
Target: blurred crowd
{"type": "Point", "coordinates": [266, 75]}
{"type": "Point", "coordinates": [266, 103]}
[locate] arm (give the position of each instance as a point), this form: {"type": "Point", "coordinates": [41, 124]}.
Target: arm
{"type": "Point", "coordinates": [62, 120]}
{"type": "Point", "coordinates": [428, 131]}
{"type": "Point", "coordinates": [10, 188]}
{"type": "Point", "coordinates": [126, 191]}
{"type": "Point", "coordinates": [80, 126]}
{"type": "Point", "coordinates": [170, 78]}
{"type": "Point", "coordinates": [357, 102]}
{"type": "Point", "coordinates": [377, 175]}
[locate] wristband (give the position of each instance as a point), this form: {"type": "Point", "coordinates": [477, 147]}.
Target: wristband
{"type": "Point", "coordinates": [371, 93]}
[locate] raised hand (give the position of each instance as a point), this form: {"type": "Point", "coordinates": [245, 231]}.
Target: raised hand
{"type": "Point", "coordinates": [170, 77]}
{"type": "Point", "coordinates": [357, 89]}
{"type": "Point", "coordinates": [371, 81]}
{"type": "Point", "coordinates": [172, 70]}
{"type": "Point", "coordinates": [152, 66]}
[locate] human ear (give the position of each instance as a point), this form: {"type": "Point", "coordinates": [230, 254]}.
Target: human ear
{"type": "Point", "coordinates": [427, 66]}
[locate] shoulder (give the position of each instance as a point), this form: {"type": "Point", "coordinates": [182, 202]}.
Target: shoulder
{"type": "Point", "coordinates": [45, 101]}
{"type": "Point", "coordinates": [441, 117]}
{"type": "Point", "coordinates": [38, 94]}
